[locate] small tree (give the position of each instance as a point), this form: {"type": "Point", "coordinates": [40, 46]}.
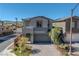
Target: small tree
{"type": "Point", "coordinates": [55, 32]}
{"type": "Point", "coordinates": [20, 46]}
{"type": "Point", "coordinates": [20, 42]}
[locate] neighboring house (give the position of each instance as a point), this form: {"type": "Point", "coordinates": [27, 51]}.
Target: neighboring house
{"type": "Point", "coordinates": [38, 27]}
{"type": "Point", "coordinates": [65, 24]}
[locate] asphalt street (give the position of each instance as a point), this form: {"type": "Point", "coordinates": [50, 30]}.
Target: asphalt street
{"type": "Point", "coordinates": [6, 41]}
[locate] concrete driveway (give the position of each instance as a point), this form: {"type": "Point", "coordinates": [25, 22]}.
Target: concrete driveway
{"type": "Point", "coordinates": [45, 50]}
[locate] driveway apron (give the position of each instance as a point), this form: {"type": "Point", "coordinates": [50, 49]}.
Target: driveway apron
{"type": "Point", "coordinates": [44, 50]}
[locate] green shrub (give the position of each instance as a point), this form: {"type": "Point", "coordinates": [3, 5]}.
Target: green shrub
{"type": "Point", "coordinates": [20, 46]}
{"type": "Point", "coordinates": [55, 35]}
{"type": "Point", "coordinates": [64, 48]}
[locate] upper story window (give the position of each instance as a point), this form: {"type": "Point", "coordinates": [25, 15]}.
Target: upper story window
{"type": "Point", "coordinates": [39, 23]}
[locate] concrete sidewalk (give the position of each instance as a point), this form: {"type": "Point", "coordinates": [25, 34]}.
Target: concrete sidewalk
{"type": "Point", "coordinates": [4, 47]}
{"type": "Point", "coordinates": [6, 43]}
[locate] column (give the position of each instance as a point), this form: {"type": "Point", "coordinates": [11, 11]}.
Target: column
{"type": "Point", "coordinates": [32, 35]}
{"type": "Point", "coordinates": [32, 38]}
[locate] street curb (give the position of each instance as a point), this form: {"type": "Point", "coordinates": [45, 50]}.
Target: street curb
{"type": "Point", "coordinates": [9, 46]}
{"type": "Point", "coordinates": [6, 51]}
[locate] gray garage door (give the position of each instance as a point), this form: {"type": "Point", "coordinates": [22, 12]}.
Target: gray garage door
{"type": "Point", "coordinates": [41, 38]}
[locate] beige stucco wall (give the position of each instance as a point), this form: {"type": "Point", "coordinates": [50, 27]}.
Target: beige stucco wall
{"type": "Point", "coordinates": [75, 37]}
{"type": "Point", "coordinates": [44, 21]}
{"type": "Point", "coordinates": [60, 24]}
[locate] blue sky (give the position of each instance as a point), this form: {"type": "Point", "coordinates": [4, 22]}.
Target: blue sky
{"type": "Point", "coordinates": [21, 10]}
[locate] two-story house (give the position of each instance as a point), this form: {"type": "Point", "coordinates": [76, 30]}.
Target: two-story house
{"type": "Point", "coordinates": [38, 27]}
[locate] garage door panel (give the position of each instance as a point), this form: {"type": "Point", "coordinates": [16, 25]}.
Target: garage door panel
{"type": "Point", "coordinates": [41, 38]}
